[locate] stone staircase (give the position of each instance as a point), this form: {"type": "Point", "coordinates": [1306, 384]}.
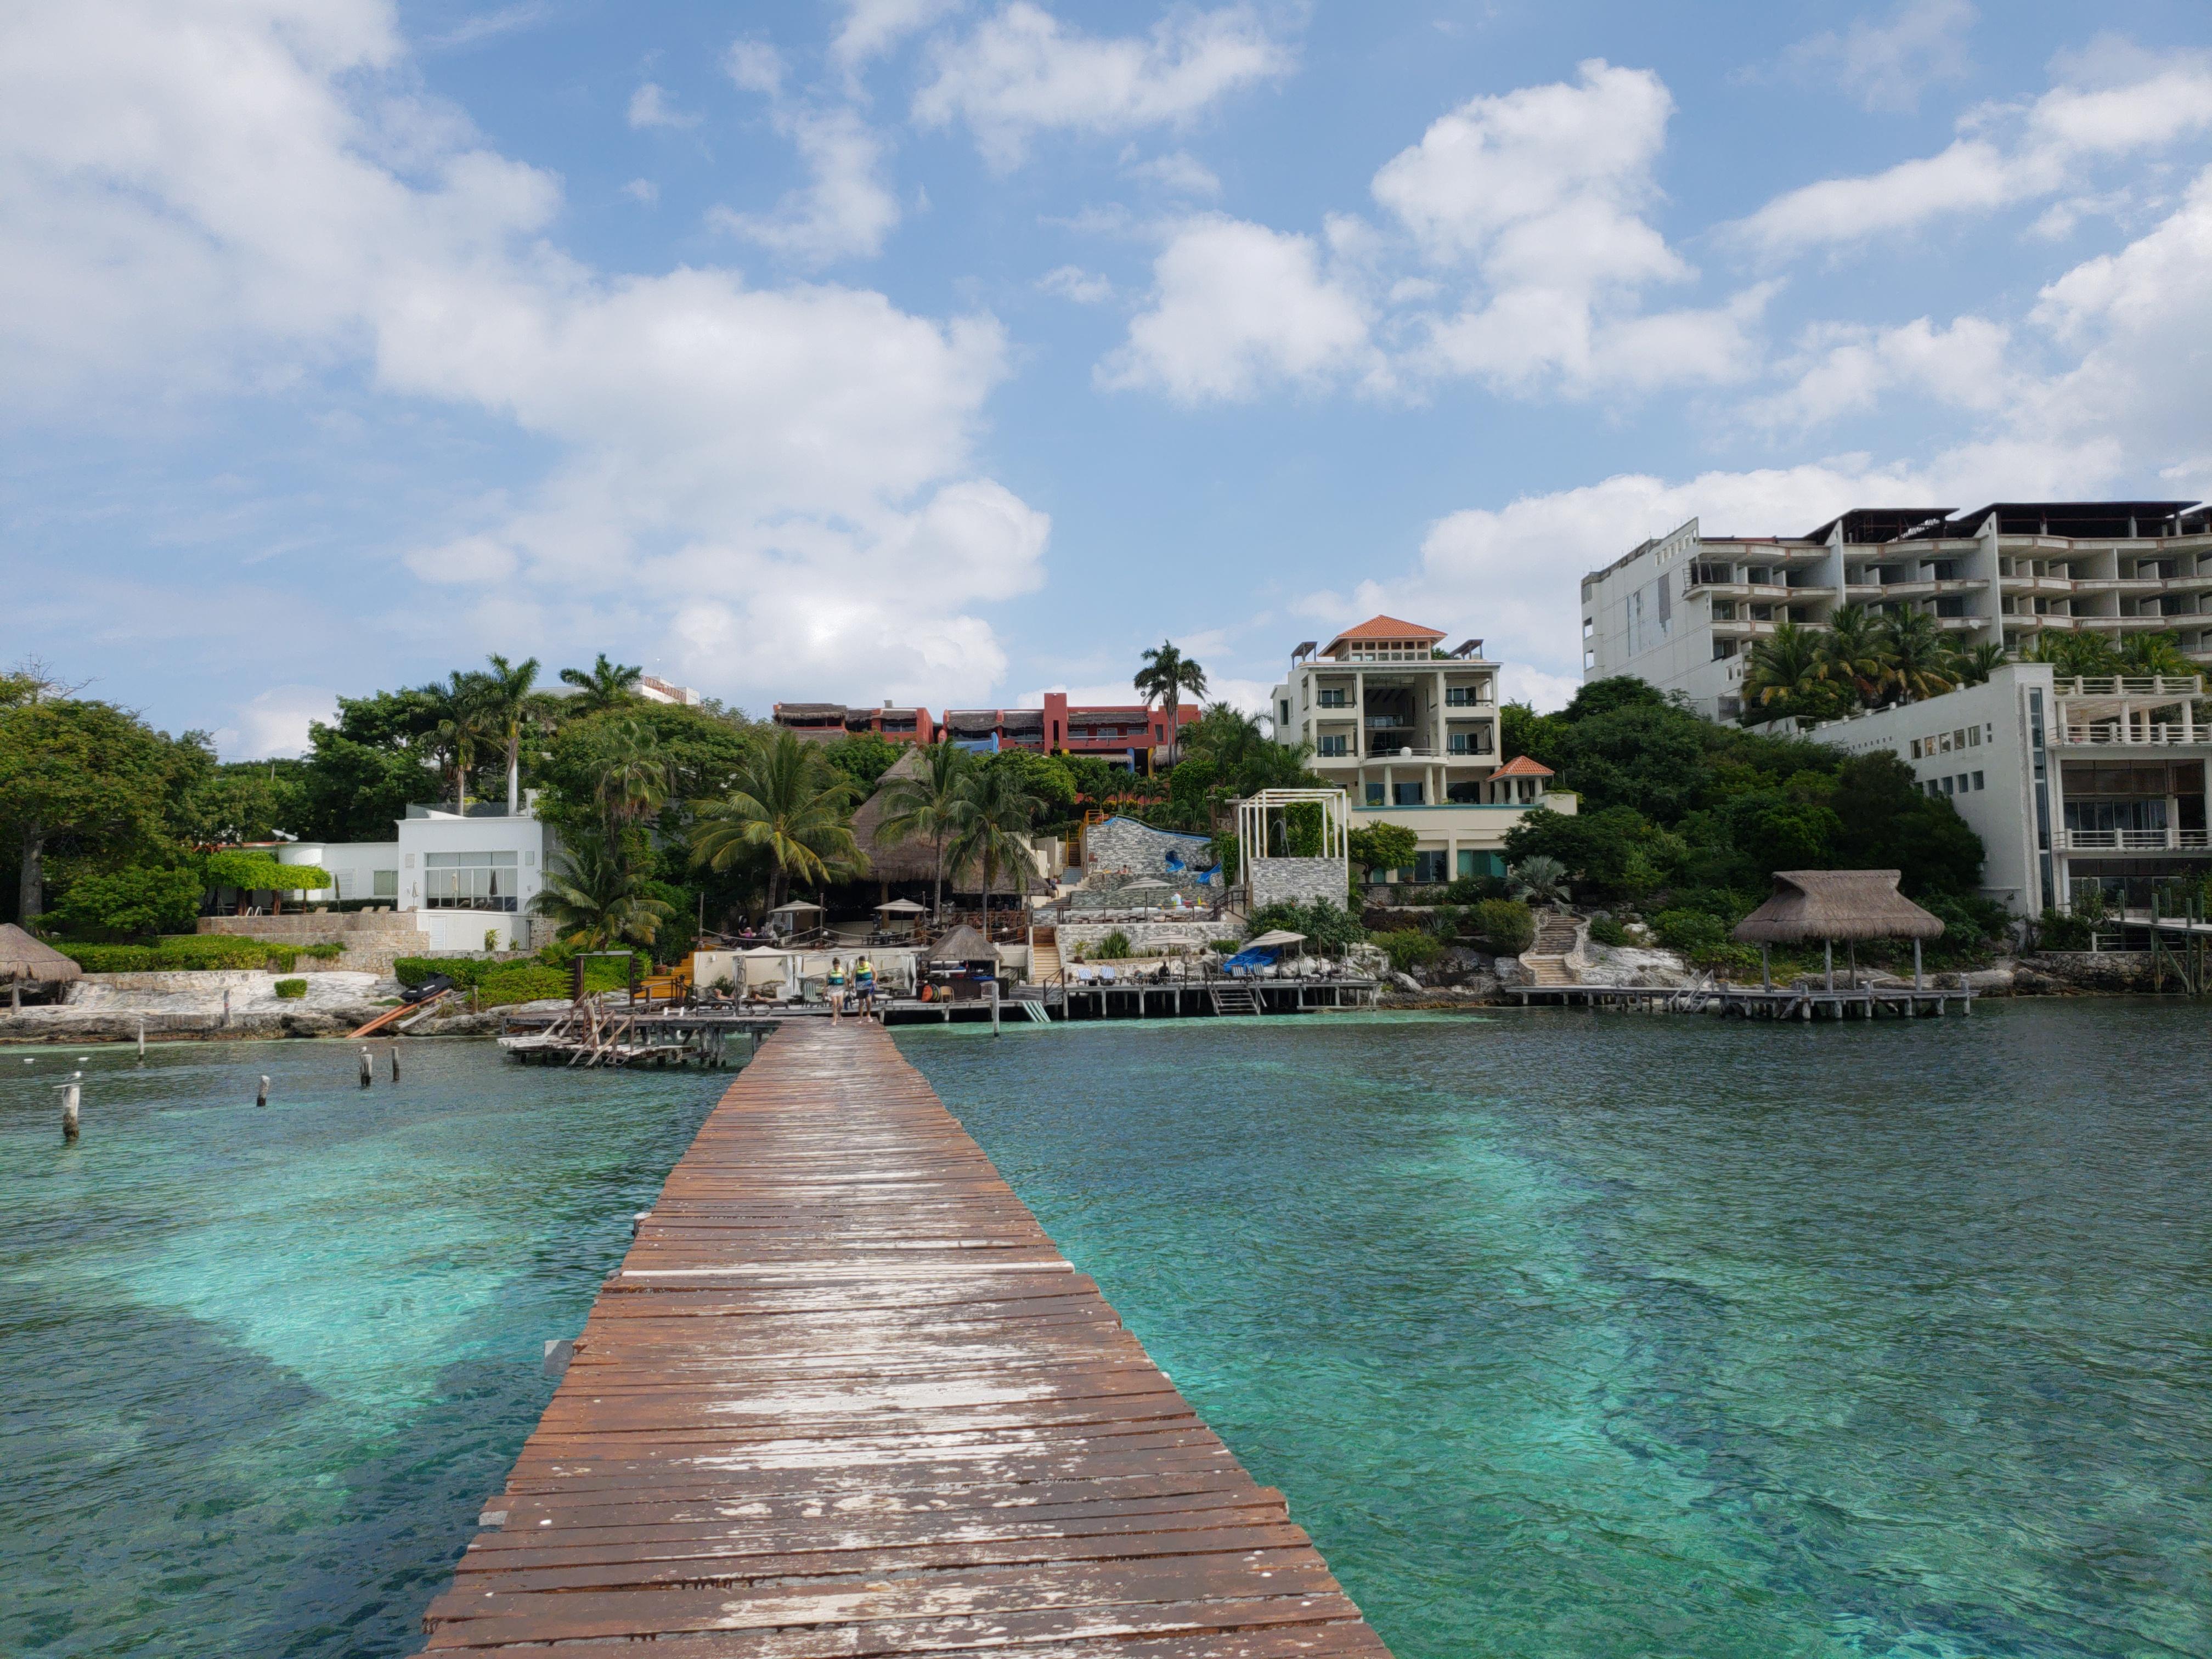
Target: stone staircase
{"type": "Point", "coordinates": [1545, 959]}
{"type": "Point", "coordinates": [1045, 965]}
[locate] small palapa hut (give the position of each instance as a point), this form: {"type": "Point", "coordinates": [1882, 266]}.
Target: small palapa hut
{"type": "Point", "coordinates": [914, 859]}
{"type": "Point", "coordinates": [25, 960]}
{"type": "Point", "coordinates": [1836, 904]}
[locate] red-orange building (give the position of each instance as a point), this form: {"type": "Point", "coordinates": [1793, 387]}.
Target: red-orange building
{"type": "Point", "coordinates": [1123, 733]}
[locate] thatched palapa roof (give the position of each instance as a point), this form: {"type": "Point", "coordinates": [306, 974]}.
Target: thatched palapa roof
{"type": "Point", "coordinates": [22, 956]}
{"type": "Point", "coordinates": [963, 943]}
{"type": "Point", "coordinates": [912, 859]}
{"type": "Point", "coordinates": [1846, 904]}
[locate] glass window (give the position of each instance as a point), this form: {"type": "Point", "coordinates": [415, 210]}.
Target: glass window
{"type": "Point", "coordinates": [1406, 794]}
{"type": "Point", "coordinates": [469, 881]}
{"type": "Point", "coordinates": [1332, 745]}
{"type": "Point", "coordinates": [1978, 780]}
{"type": "Point", "coordinates": [1334, 696]}
{"type": "Point", "coordinates": [1374, 794]}
{"type": "Point", "coordinates": [1431, 867]}
{"type": "Point", "coordinates": [1460, 696]}
{"type": "Point", "coordinates": [383, 883]}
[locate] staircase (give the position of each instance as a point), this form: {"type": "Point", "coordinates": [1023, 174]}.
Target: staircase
{"type": "Point", "coordinates": [1233, 996]}
{"type": "Point", "coordinates": [1045, 966]}
{"type": "Point", "coordinates": [1545, 959]}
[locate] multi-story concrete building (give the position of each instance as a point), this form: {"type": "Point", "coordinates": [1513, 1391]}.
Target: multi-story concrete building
{"type": "Point", "coordinates": [1683, 610]}
{"type": "Point", "coordinates": [464, 879]}
{"type": "Point", "coordinates": [822, 721]}
{"type": "Point", "coordinates": [1409, 730]}
{"type": "Point", "coordinates": [653, 689]}
{"type": "Point", "coordinates": [1126, 734]}
{"type": "Point", "coordinates": [2069, 783]}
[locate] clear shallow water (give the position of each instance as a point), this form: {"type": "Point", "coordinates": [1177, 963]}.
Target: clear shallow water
{"type": "Point", "coordinates": [258, 1369]}
{"type": "Point", "coordinates": [1575, 1335]}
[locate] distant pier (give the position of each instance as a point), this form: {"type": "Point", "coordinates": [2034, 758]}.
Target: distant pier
{"type": "Point", "coordinates": [1746, 1002]}
{"type": "Point", "coordinates": [844, 1398]}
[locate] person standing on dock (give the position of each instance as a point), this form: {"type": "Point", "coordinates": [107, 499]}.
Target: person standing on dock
{"type": "Point", "coordinates": [836, 991]}
{"type": "Point", "coordinates": [864, 986]}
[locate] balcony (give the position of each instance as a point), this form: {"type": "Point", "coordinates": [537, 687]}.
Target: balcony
{"type": "Point", "coordinates": [2131, 686]}
{"type": "Point", "coordinates": [2132, 841]}
{"type": "Point", "coordinates": [2126, 735]}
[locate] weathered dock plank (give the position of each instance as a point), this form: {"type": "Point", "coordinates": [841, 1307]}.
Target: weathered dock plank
{"type": "Point", "coordinates": [844, 1399]}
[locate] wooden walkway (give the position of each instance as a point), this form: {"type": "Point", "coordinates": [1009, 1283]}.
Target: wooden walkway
{"type": "Point", "coordinates": [843, 1398]}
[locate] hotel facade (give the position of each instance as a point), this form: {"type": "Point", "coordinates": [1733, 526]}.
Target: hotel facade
{"type": "Point", "coordinates": [1683, 610]}
{"type": "Point", "coordinates": [1409, 731]}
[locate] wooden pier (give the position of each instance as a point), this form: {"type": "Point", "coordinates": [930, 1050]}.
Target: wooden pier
{"type": "Point", "coordinates": [1752, 1002]}
{"type": "Point", "coordinates": [843, 1398]}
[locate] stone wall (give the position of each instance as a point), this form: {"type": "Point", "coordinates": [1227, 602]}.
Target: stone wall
{"type": "Point", "coordinates": [1146, 938]}
{"type": "Point", "coordinates": [373, 938]}
{"type": "Point", "coordinates": [1124, 844]}
{"type": "Point", "coordinates": [1297, 881]}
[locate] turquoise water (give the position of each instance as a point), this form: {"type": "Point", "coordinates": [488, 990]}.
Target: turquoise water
{"type": "Point", "coordinates": [1601, 1336]}
{"type": "Point", "coordinates": [259, 1368]}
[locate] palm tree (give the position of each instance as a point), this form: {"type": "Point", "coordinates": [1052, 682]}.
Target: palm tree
{"type": "Point", "coordinates": [510, 702]}
{"type": "Point", "coordinates": [1784, 667]}
{"type": "Point", "coordinates": [1974, 666]}
{"type": "Point", "coordinates": [991, 823]}
{"type": "Point", "coordinates": [596, 898]}
{"type": "Point", "coordinates": [1915, 658]}
{"type": "Point", "coordinates": [632, 773]}
{"type": "Point", "coordinates": [2074, 653]}
{"type": "Point", "coordinates": [926, 802]}
{"type": "Point", "coordinates": [456, 714]}
{"type": "Point", "coordinates": [1538, 879]}
{"type": "Point", "coordinates": [1166, 675]}
{"type": "Point", "coordinates": [604, 686]}
{"type": "Point", "coordinates": [2153, 653]}
{"type": "Point", "coordinates": [1851, 652]}
{"type": "Point", "coordinates": [790, 807]}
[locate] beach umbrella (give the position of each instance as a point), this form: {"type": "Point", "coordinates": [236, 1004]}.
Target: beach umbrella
{"type": "Point", "coordinates": [903, 908]}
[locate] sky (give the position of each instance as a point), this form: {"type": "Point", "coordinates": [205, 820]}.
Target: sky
{"type": "Point", "coordinates": [953, 351]}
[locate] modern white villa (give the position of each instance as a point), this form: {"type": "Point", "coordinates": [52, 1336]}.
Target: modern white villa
{"type": "Point", "coordinates": [1409, 731]}
{"type": "Point", "coordinates": [2070, 782]}
{"type": "Point", "coordinates": [464, 877]}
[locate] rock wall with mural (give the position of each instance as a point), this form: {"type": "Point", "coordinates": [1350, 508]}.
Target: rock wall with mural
{"type": "Point", "coordinates": [1125, 846]}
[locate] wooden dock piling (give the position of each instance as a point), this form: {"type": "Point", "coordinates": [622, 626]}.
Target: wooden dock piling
{"type": "Point", "coordinates": [843, 1397]}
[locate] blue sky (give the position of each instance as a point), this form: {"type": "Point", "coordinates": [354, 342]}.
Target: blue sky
{"type": "Point", "coordinates": [953, 350]}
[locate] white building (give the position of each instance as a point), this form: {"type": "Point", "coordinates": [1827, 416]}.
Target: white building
{"type": "Point", "coordinates": [2069, 783]}
{"type": "Point", "coordinates": [653, 689]}
{"type": "Point", "coordinates": [467, 878]}
{"type": "Point", "coordinates": [1409, 731]}
{"type": "Point", "coordinates": [1683, 610]}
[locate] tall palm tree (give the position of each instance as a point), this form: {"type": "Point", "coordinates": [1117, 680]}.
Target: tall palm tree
{"type": "Point", "coordinates": [2074, 653]}
{"type": "Point", "coordinates": [1784, 667]}
{"type": "Point", "coordinates": [1166, 675]}
{"type": "Point", "coordinates": [2153, 653]}
{"type": "Point", "coordinates": [926, 802]}
{"type": "Point", "coordinates": [631, 774]}
{"type": "Point", "coordinates": [510, 702]}
{"type": "Point", "coordinates": [1974, 665]}
{"type": "Point", "coordinates": [604, 686]}
{"type": "Point", "coordinates": [456, 714]}
{"type": "Point", "coordinates": [991, 824]}
{"type": "Point", "coordinates": [1851, 652]}
{"type": "Point", "coordinates": [1914, 657]}
{"type": "Point", "coordinates": [596, 898]}
{"type": "Point", "coordinates": [789, 807]}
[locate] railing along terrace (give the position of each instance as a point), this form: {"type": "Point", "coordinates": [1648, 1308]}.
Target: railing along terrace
{"type": "Point", "coordinates": [2131, 686]}
{"type": "Point", "coordinates": [2134, 841]}
{"type": "Point", "coordinates": [2127, 735]}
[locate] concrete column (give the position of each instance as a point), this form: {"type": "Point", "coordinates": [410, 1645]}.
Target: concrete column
{"type": "Point", "coordinates": [1360, 714]}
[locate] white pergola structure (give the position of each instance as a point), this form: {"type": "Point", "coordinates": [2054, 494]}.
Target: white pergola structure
{"type": "Point", "coordinates": [1266, 876]}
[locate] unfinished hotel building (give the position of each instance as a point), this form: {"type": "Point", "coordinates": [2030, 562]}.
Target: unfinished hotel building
{"type": "Point", "coordinates": [1684, 610]}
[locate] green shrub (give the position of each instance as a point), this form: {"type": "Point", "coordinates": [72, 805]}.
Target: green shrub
{"type": "Point", "coordinates": [108, 959]}
{"type": "Point", "coordinates": [1115, 947]}
{"type": "Point", "coordinates": [1228, 947]}
{"type": "Point", "coordinates": [1409, 948]}
{"type": "Point", "coordinates": [1606, 931]}
{"type": "Point", "coordinates": [128, 903]}
{"type": "Point", "coordinates": [2057, 930]}
{"type": "Point", "coordinates": [329, 950]}
{"type": "Point", "coordinates": [1473, 889]}
{"type": "Point", "coordinates": [291, 990]}
{"type": "Point", "coordinates": [1326, 926]}
{"type": "Point", "coordinates": [1689, 930]}
{"type": "Point", "coordinates": [1740, 961]}
{"type": "Point", "coordinates": [253, 871]}
{"type": "Point", "coordinates": [1508, 925]}
{"type": "Point", "coordinates": [183, 953]}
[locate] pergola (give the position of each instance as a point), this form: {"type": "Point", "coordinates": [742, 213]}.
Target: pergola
{"type": "Point", "coordinates": [1836, 904]}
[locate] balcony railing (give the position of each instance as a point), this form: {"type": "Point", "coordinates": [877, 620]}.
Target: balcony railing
{"type": "Point", "coordinates": [2134, 841]}
{"type": "Point", "coordinates": [2136, 737]}
{"type": "Point", "coordinates": [2131, 685]}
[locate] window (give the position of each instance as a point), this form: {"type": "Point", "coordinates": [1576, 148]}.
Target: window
{"type": "Point", "coordinates": [1589, 659]}
{"type": "Point", "coordinates": [1462, 697]}
{"type": "Point", "coordinates": [1338, 745]}
{"type": "Point", "coordinates": [1404, 794]}
{"type": "Point", "coordinates": [468, 881]}
{"type": "Point", "coordinates": [1978, 780]}
{"type": "Point", "coordinates": [1333, 696]}
{"type": "Point", "coordinates": [1973, 737]}
{"type": "Point", "coordinates": [1468, 743]}
{"type": "Point", "coordinates": [1374, 794]}
{"type": "Point", "coordinates": [1431, 867]}
{"type": "Point", "coordinates": [383, 883]}
{"type": "Point", "coordinates": [1588, 628]}
{"type": "Point", "coordinates": [1285, 705]}
{"type": "Point", "coordinates": [1946, 786]}
{"type": "Point", "coordinates": [1916, 748]}
{"type": "Point", "coordinates": [1723, 649]}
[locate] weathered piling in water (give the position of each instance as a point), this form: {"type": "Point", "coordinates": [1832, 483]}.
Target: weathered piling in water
{"type": "Point", "coordinates": [72, 1099]}
{"type": "Point", "coordinates": [367, 1071]}
{"type": "Point", "coordinates": [261, 1097]}
{"type": "Point", "coordinates": [395, 1062]}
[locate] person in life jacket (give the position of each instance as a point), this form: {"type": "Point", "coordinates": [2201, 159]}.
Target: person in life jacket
{"type": "Point", "coordinates": [864, 986]}
{"type": "Point", "coordinates": [836, 992]}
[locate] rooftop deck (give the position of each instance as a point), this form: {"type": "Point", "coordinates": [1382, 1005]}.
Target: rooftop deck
{"type": "Point", "coordinates": [844, 1398]}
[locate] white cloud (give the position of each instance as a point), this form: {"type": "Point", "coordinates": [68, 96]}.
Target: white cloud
{"type": "Point", "coordinates": [755, 66]}
{"type": "Point", "coordinates": [1844, 368]}
{"type": "Point", "coordinates": [1073, 282]}
{"type": "Point", "coordinates": [274, 724]}
{"type": "Point", "coordinates": [207, 197]}
{"type": "Point", "coordinates": [2119, 103]}
{"type": "Point", "coordinates": [874, 26]}
{"type": "Point", "coordinates": [1178, 173]}
{"type": "Point", "coordinates": [846, 208]}
{"type": "Point", "coordinates": [489, 25]}
{"type": "Point", "coordinates": [1022, 72]}
{"type": "Point", "coordinates": [1237, 309]}
{"type": "Point", "coordinates": [649, 108]}
{"type": "Point", "coordinates": [642, 189]}
{"type": "Point", "coordinates": [1887, 65]}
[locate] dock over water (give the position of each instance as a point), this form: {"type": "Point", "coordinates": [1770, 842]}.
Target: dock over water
{"type": "Point", "coordinates": [844, 1398]}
